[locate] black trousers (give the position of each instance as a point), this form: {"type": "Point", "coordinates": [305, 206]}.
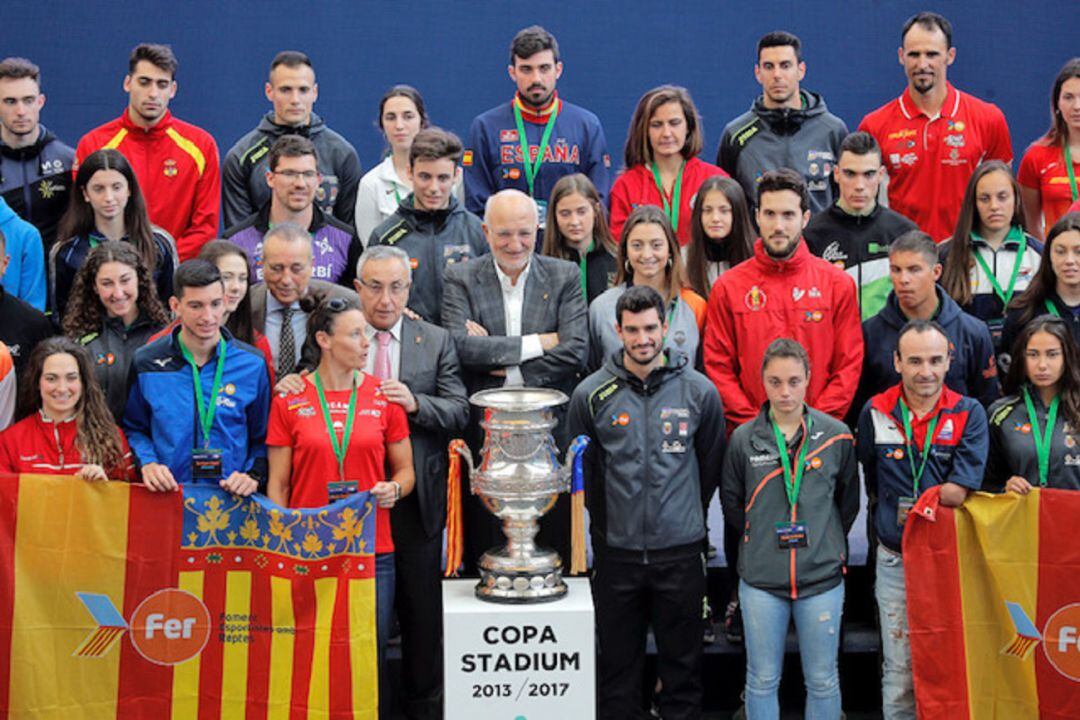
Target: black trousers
{"type": "Point", "coordinates": [418, 602]}
{"type": "Point", "coordinates": [629, 598]}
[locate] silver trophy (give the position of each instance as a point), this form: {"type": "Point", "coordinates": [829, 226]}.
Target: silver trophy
{"type": "Point", "coordinates": [519, 479]}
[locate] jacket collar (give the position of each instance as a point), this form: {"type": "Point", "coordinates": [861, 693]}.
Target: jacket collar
{"type": "Point", "coordinates": [771, 264]}
{"type": "Point", "coordinates": [164, 124]}
{"type": "Point", "coordinates": [888, 402]}
{"type": "Point", "coordinates": [540, 115]}
{"type": "Point", "coordinates": [948, 108]}
{"type": "Point", "coordinates": [262, 218]}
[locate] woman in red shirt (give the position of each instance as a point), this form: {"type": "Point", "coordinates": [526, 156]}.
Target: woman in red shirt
{"type": "Point", "coordinates": [340, 435]}
{"type": "Point", "coordinates": [66, 426]}
{"type": "Point", "coordinates": [662, 167]}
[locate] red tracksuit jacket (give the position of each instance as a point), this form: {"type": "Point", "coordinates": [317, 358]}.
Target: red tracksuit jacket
{"type": "Point", "coordinates": [37, 445]}
{"type": "Point", "coordinates": [803, 298]}
{"type": "Point", "coordinates": [178, 170]}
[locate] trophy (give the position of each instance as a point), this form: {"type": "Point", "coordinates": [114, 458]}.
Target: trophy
{"type": "Point", "coordinates": [519, 479]}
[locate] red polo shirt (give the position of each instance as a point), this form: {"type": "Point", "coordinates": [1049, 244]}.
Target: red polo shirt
{"type": "Point", "coordinates": [930, 160]}
{"type": "Point", "coordinates": [1043, 170]}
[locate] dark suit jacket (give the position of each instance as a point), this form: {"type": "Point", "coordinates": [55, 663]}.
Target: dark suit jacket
{"type": "Point", "coordinates": [429, 366]}
{"type": "Point", "coordinates": [258, 299]}
{"type": "Point", "coordinates": [553, 303]}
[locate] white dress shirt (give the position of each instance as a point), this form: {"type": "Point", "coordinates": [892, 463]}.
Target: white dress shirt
{"type": "Point", "coordinates": [513, 305]}
{"type": "Point", "coordinates": [395, 349]}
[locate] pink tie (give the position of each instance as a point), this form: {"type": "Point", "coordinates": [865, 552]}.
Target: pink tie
{"type": "Point", "coordinates": [382, 356]}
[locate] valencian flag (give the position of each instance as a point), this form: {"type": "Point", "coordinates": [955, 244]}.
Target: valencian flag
{"type": "Point", "coordinates": [993, 592]}
{"type": "Point", "coordinates": [120, 603]}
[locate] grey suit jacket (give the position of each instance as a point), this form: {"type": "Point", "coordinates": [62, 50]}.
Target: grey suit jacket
{"type": "Point", "coordinates": [553, 303]}
{"type": "Point", "coordinates": [258, 299]}
{"type": "Point", "coordinates": [429, 367]}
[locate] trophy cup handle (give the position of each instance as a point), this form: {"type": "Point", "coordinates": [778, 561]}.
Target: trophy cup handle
{"type": "Point", "coordinates": [575, 454]}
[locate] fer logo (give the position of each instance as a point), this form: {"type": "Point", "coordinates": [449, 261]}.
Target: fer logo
{"type": "Point", "coordinates": [1060, 638]}
{"type": "Point", "coordinates": [169, 627]}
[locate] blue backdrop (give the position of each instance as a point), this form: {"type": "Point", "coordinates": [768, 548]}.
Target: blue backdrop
{"type": "Point", "coordinates": [455, 53]}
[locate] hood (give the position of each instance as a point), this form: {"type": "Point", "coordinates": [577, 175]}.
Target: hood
{"type": "Point", "coordinates": [947, 313]}
{"type": "Point", "coordinates": [676, 363]}
{"type": "Point", "coordinates": [787, 121]}
{"type": "Point", "coordinates": [6, 213]}
{"type": "Point", "coordinates": [29, 151]}
{"type": "Point", "coordinates": [781, 267]}
{"type": "Point", "coordinates": [422, 218]}
{"type": "Point", "coordinates": [267, 126]}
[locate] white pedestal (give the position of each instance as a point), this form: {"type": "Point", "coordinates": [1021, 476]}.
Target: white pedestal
{"type": "Point", "coordinates": [519, 662]}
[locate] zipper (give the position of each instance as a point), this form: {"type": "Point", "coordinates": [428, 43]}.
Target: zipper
{"type": "Point", "coordinates": [646, 421]}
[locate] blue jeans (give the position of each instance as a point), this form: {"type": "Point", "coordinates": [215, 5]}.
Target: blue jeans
{"type": "Point", "coordinates": [897, 685]}
{"type": "Point", "coordinates": [817, 624]}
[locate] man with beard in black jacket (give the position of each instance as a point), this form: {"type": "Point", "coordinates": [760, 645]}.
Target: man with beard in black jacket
{"type": "Point", "coordinates": [292, 90]}
{"type": "Point", "coordinates": [785, 127]}
{"type": "Point", "coordinates": [35, 167]}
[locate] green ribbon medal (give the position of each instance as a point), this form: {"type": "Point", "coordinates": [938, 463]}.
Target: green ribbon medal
{"type": "Point", "coordinates": [532, 169]}
{"type": "Point", "coordinates": [1042, 437]}
{"type": "Point", "coordinates": [205, 410]}
{"type": "Point", "coordinates": [1069, 168]}
{"type": "Point", "coordinates": [1004, 295]}
{"type": "Point", "coordinates": [792, 480]}
{"type": "Point", "coordinates": [917, 472]}
{"type": "Point", "coordinates": [671, 207]}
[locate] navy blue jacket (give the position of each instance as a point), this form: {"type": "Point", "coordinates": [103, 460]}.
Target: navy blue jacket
{"type": "Point", "coordinates": [161, 420]}
{"type": "Point", "coordinates": [958, 454]}
{"type": "Point", "coordinates": [973, 371]}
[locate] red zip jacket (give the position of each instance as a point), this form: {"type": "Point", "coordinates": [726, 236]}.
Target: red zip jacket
{"type": "Point", "coordinates": [37, 445]}
{"type": "Point", "coordinates": [637, 186]}
{"type": "Point", "coordinates": [803, 298]}
{"type": "Point", "coordinates": [178, 170]}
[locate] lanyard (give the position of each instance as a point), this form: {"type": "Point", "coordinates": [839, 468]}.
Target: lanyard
{"type": "Point", "coordinates": [583, 266]}
{"type": "Point", "coordinates": [397, 195]}
{"type": "Point", "coordinates": [1051, 308]}
{"type": "Point", "coordinates": [342, 448]}
{"type": "Point", "coordinates": [1005, 295]}
{"type": "Point", "coordinates": [1042, 438]}
{"type": "Point", "coordinates": [792, 481]}
{"type": "Point", "coordinates": [1069, 168]}
{"type": "Point", "coordinates": [917, 473]}
{"type": "Point", "coordinates": [206, 410]}
{"type": "Point", "coordinates": [670, 317]}
{"type": "Point", "coordinates": [532, 169]}
{"type": "Point", "coordinates": [671, 208]}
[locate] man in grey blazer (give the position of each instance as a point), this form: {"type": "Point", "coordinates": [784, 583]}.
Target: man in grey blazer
{"type": "Point", "coordinates": [277, 307]}
{"type": "Point", "coordinates": [425, 379]}
{"type": "Point", "coordinates": [517, 318]}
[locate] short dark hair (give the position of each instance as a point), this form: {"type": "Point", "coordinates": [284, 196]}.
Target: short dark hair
{"type": "Point", "coordinates": [928, 21]}
{"type": "Point", "coordinates": [785, 348]}
{"type": "Point", "coordinates": [532, 40]}
{"type": "Point", "coordinates": [291, 146]}
{"type": "Point", "coordinates": [291, 59]}
{"type": "Point", "coordinates": [920, 326]}
{"type": "Point", "coordinates": [160, 56]}
{"type": "Point", "coordinates": [780, 38]}
{"type": "Point", "coordinates": [784, 179]}
{"type": "Point", "coordinates": [859, 143]}
{"type": "Point", "coordinates": [17, 68]}
{"type": "Point", "coordinates": [916, 241]}
{"type": "Point", "coordinates": [435, 144]}
{"type": "Point", "coordinates": [636, 299]}
{"type": "Point", "coordinates": [194, 273]}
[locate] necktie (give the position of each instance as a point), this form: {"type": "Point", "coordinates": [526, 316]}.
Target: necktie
{"type": "Point", "coordinates": [382, 356]}
{"type": "Point", "coordinates": [286, 344]}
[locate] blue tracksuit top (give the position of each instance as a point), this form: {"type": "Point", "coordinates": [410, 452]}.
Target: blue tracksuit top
{"type": "Point", "coordinates": [161, 420]}
{"type": "Point", "coordinates": [25, 274]}
{"type": "Point", "coordinates": [493, 160]}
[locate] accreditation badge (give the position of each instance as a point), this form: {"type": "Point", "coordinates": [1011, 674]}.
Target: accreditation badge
{"type": "Point", "coordinates": [791, 535]}
{"type": "Point", "coordinates": [206, 464]}
{"type": "Point", "coordinates": [541, 210]}
{"type": "Point", "coordinates": [341, 489]}
{"type": "Point", "coordinates": [903, 507]}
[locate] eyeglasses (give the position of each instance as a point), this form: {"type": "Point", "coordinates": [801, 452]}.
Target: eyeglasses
{"type": "Point", "coordinates": [396, 288]}
{"type": "Point", "coordinates": [307, 175]}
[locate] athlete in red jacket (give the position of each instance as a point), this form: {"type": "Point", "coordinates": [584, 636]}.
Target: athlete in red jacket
{"type": "Point", "coordinates": [176, 163]}
{"type": "Point", "coordinates": [783, 291]}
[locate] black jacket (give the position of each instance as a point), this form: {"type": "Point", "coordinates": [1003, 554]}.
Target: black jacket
{"type": "Point", "coordinates": [36, 182]}
{"type": "Point", "coordinates": [22, 327]}
{"type": "Point", "coordinates": [111, 350]}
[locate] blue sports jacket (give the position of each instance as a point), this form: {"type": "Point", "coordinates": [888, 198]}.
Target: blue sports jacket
{"type": "Point", "coordinates": [161, 421]}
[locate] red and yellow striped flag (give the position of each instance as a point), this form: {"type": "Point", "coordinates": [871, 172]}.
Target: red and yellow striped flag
{"type": "Point", "coordinates": [993, 591]}
{"type": "Point", "coordinates": [119, 603]}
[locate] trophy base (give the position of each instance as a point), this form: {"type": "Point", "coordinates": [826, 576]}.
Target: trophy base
{"type": "Point", "coordinates": [506, 579]}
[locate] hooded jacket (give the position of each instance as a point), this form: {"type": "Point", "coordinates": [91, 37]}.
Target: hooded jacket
{"type": "Point", "coordinates": [25, 274]}
{"type": "Point", "coordinates": [656, 449]}
{"type": "Point", "coordinates": [755, 499]}
{"type": "Point", "coordinates": [803, 298]}
{"type": "Point", "coordinates": [434, 240]}
{"type": "Point", "coordinates": [176, 164]}
{"type": "Point", "coordinates": [859, 245]}
{"type": "Point", "coordinates": [805, 139]}
{"type": "Point", "coordinates": [244, 188]}
{"type": "Point", "coordinates": [36, 181]}
{"type": "Point", "coordinates": [973, 368]}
